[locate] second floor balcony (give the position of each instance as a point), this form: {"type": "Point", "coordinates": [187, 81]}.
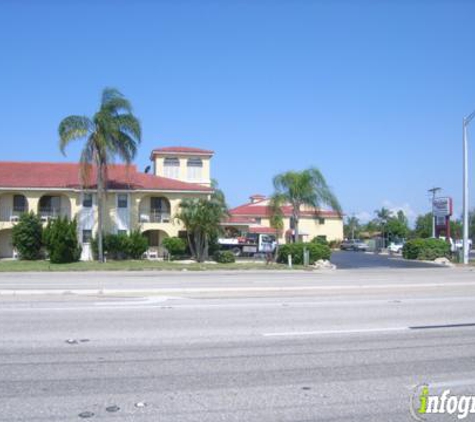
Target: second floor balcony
{"type": "Point", "coordinates": [154, 210]}
{"type": "Point", "coordinates": [154, 216]}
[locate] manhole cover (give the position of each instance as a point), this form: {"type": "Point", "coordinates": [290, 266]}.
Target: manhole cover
{"type": "Point", "coordinates": [306, 388]}
{"type": "Point", "coordinates": [86, 415]}
{"type": "Point", "coordinates": [113, 408]}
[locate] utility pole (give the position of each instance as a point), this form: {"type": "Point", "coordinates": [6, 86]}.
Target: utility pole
{"type": "Point", "coordinates": [434, 192]}
{"type": "Point", "coordinates": [466, 122]}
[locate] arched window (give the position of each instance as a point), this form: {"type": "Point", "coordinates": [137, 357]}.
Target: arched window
{"type": "Point", "coordinates": [194, 169]}
{"type": "Point", "coordinates": [171, 167]}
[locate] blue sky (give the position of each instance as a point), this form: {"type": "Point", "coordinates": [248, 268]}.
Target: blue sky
{"type": "Point", "coordinates": [371, 92]}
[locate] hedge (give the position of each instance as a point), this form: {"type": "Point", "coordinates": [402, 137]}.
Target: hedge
{"type": "Point", "coordinates": [123, 246]}
{"type": "Point", "coordinates": [316, 252]}
{"type": "Point", "coordinates": [224, 257]}
{"type": "Point", "coordinates": [426, 249]}
{"type": "Point", "coordinates": [175, 246]}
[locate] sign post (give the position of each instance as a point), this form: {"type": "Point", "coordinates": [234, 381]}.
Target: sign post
{"type": "Point", "coordinates": [442, 209]}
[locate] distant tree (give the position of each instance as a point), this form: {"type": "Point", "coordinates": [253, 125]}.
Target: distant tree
{"type": "Point", "coordinates": [305, 188]}
{"type": "Point", "coordinates": [383, 216]}
{"type": "Point", "coordinates": [112, 131]}
{"type": "Point", "coordinates": [352, 228]}
{"type": "Point", "coordinates": [423, 227]}
{"type": "Point", "coordinates": [397, 227]}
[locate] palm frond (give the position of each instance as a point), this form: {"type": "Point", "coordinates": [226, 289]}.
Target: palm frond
{"type": "Point", "coordinates": [114, 102]}
{"type": "Point", "coordinates": [73, 128]}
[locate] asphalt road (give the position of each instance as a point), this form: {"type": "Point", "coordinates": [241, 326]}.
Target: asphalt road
{"type": "Point", "coordinates": [355, 260]}
{"type": "Point", "coordinates": [344, 345]}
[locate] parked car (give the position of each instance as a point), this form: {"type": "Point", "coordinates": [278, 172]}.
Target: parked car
{"type": "Point", "coordinates": [459, 244]}
{"type": "Point", "coordinates": [395, 247]}
{"type": "Point", "coordinates": [353, 245]}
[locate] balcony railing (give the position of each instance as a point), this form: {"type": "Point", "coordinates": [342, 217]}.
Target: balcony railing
{"type": "Point", "coordinates": [154, 217]}
{"type": "Point", "coordinates": [9, 215]}
{"type": "Point", "coordinates": [47, 213]}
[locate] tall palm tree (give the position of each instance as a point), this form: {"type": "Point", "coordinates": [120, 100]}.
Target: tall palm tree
{"type": "Point", "coordinates": [305, 188]}
{"type": "Point", "coordinates": [112, 132]}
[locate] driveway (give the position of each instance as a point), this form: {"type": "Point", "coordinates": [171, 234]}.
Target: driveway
{"type": "Point", "coordinates": [353, 260]}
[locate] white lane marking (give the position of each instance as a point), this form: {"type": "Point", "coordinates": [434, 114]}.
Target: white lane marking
{"type": "Point", "coordinates": [336, 332]}
{"type": "Point", "coordinates": [454, 383]}
{"type": "Point", "coordinates": [186, 290]}
{"type": "Point", "coordinates": [137, 302]}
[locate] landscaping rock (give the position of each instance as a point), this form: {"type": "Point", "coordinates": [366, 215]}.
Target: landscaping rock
{"type": "Point", "coordinates": [324, 264]}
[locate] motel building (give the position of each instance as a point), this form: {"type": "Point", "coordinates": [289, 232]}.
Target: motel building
{"type": "Point", "coordinates": [134, 200]}
{"type": "Point", "coordinates": [138, 200]}
{"type": "Point", "coordinates": [254, 218]}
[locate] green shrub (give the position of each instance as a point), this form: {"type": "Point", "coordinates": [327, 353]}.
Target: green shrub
{"type": "Point", "coordinates": [224, 257]}
{"type": "Point", "coordinates": [175, 246]}
{"type": "Point", "coordinates": [61, 241]}
{"type": "Point", "coordinates": [316, 252]}
{"type": "Point", "coordinates": [426, 249]}
{"type": "Point", "coordinates": [27, 236]}
{"type": "Point", "coordinates": [116, 246]}
{"type": "Point", "coordinates": [122, 246]}
{"type": "Point", "coordinates": [320, 240]}
{"type": "Point", "coordinates": [138, 245]}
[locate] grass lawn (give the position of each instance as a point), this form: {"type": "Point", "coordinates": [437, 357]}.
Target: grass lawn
{"type": "Point", "coordinates": [129, 265]}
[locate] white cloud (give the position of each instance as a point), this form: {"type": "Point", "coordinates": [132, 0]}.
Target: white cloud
{"type": "Point", "coordinates": [409, 212]}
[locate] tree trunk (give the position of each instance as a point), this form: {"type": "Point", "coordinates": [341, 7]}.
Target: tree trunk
{"type": "Point", "coordinates": [190, 244]}
{"type": "Point", "coordinates": [100, 212]}
{"type": "Point", "coordinates": [296, 230]}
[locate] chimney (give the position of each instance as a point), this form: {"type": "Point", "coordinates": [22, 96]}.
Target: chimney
{"type": "Point", "coordinates": [257, 198]}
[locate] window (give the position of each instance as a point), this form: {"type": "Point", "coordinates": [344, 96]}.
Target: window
{"type": "Point", "coordinates": [195, 169]}
{"type": "Point", "coordinates": [159, 205]}
{"type": "Point", "coordinates": [19, 203]}
{"type": "Point", "coordinates": [171, 168]}
{"type": "Point", "coordinates": [122, 200]}
{"type": "Point", "coordinates": [292, 223]}
{"type": "Point", "coordinates": [258, 220]}
{"type": "Point", "coordinates": [86, 236]}
{"type": "Point", "coordinates": [321, 221]}
{"type": "Point", "coordinates": [87, 200]}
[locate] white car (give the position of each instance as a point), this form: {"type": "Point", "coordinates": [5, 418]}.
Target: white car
{"type": "Point", "coordinates": [395, 247]}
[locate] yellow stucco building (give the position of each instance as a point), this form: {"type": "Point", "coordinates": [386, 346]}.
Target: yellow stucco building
{"type": "Point", "coordinates": [254, 217]}
{"type": "Point", "coordinates": [135, 200]}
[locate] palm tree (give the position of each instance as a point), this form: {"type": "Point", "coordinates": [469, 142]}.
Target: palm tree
{"type": "Point", "coordinates": [352, 225]}
{"type": "Point", "coordinates": [383, 216]}
{"type": "Point", "coordinates": [201, 218]}
{"type": "Point", "coordinates": [305, 188]}
{"type": "Point", "coordinates": [112, 131]}
{"type": "Point", "coordinates": [277, 218]}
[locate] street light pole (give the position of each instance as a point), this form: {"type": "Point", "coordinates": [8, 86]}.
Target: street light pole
{"type": "Point", "coordinates": [466, 122]}
{"type": "Point", "coordinates": [434, 192]}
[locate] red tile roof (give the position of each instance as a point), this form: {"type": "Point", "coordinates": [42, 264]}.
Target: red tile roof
{"type": "Point", "coordinates": [183, 150]}
{"type": "Point", "coordinates": [260, 209]}
{"type": "Point", "coordinates": [68, 176]}
{"type": "Point", "coordinates": [262, 230]}
{"type": "Point", "coordinates": [239, 220]}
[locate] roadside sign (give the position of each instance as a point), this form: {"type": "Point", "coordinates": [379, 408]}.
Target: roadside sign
{"type": "Point", "coordinates": [442, 207]}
